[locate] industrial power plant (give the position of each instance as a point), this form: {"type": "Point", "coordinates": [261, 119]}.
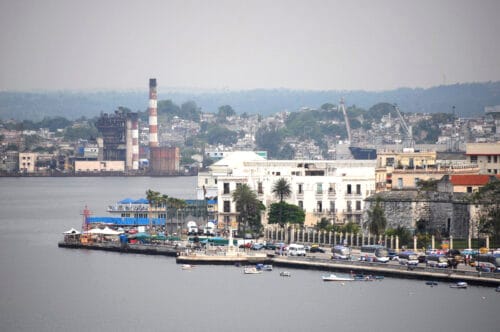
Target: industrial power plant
{"type": "Point", "coordinates": [119, 150]}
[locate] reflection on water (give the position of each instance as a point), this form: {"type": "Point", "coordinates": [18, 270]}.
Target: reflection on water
{"type": "Point", "coordinates": [45, 288]}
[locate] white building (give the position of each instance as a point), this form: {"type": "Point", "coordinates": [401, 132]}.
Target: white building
{"type": "Point", "coordinates": [334, 189]}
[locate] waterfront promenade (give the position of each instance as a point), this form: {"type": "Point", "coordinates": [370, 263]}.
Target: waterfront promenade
{"type": "Point", "coordinates": [320, 261]}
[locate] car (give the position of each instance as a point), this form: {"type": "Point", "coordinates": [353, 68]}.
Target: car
{"type": "Point", "coordinates": [270, 246]}
{"type": "Point", "coordinates": [316, 249]}
{"type": "Point", "coordinates": [257, 246]}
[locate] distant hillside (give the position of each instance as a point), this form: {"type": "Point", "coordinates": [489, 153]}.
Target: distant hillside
{"type": "Point", "coordinates": [469, 100]}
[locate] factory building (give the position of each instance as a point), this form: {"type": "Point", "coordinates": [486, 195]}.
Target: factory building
{"type": "Point", "coordinates": [119, 139]}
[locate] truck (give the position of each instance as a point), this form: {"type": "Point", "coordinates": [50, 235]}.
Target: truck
{"type": "Point", "coordinates": [192, 228]}
{"type": "Point", "coordinates": [209, 229]}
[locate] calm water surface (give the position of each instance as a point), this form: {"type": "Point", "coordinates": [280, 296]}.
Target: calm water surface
{"type": "Point", "coordinates": [45, 288]}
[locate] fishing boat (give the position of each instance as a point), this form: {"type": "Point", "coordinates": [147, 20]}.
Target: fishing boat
{"type": "Point", "coordinates": [251, 270]}
{"type": "Point", "coordinates": [333, 277]}
{"type": "Point", "coordinates": [460, 284]}
{"type": "Point", "coordinates": [285, 274]}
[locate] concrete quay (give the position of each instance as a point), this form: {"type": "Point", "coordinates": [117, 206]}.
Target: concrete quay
{"type": "Point", "coordinates": [388, 270]}
{"type": "Point", "coordinates": [164, 250]}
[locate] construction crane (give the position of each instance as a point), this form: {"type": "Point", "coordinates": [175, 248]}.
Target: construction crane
{"type": "Point", "coordinates": [408, 141]}
{"type": "Point", "coordinates": [346, 119]}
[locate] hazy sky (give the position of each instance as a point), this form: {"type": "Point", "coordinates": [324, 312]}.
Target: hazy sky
{"type": "Point", "coordinates": [327, 45]}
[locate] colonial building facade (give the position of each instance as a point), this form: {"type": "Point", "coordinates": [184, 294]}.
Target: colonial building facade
{"type": "Point", "coordinates": [332, 189]}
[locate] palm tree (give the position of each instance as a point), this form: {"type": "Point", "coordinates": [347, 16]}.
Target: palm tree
{"type": "Point", "coordinates": [247, 204]}
{"type": "Point", "coordinates": [282, 189]}
{"type": "Point", "coordinates": [175, 204]}
{"type": "Point", "coordinates": [153, 198]}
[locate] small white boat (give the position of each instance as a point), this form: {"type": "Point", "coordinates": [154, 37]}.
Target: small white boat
{"type": "Point", "coordinates": [251, 270]}
{"type": "Point", "coordinates": [264, 267]}
{"type": "Point", "coordinates": [187, 266]}
{"type": "Point", "coordinates": [285, 274]}
{"type": "Point", "coordinates": [333, 277]}
{"type": "Point", "coordinates": [460, 284]}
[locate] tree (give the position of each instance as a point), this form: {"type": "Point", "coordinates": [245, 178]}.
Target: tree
{"type": "Point", "coordinates": [283, 213]}
{"type": "Point", "coordinates": [224, 112]}
{"type": "Point", "coordinates": [282, 189]}
{"type": "Point", "coordinates": [488, 197]}
{"type": "Point", "coordinates": [248, 207]}
{"type": "Point", "coordinates": [402, 233]}
{"type": "Point", "coordinates": [376, 219]}
{"type": "Point", "coordinates": [154, 199]}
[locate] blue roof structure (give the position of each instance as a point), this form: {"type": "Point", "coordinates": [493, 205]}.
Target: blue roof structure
{"type": "Point", "coordinates": [126, 221]}
{"type": "Point", "coordinates": [126, 201]}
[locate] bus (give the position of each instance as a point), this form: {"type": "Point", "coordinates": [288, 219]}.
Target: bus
{"type": "Point", "coordinates": [489, 262]}
{"type": "Point", "coordinates": [374, 253]}
{"type": "Point", "coordinates": [341, 252]}
{"type": "Point", "coordinates": [409, 258]}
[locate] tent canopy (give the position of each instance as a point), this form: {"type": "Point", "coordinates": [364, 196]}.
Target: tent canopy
{"type": "Point", "coordinates": [72, 231]}
{"type": "Point", "coordinates": [126, 201]}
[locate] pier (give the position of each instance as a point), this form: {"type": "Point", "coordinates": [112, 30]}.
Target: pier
{"type": "Point", "coordinates": [190, 256]}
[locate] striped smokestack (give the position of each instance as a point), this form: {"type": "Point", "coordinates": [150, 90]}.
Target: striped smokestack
{"type": "Point", "coordinates": [153, 113]}
{"type": "Point", "coordinates": [135, 142]}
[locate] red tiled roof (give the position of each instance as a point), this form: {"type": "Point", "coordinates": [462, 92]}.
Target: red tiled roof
{"type": "Point", "coordinates": [463, 180]}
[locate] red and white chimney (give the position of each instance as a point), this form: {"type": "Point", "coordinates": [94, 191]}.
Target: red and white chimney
{"type": "Point", "coordinates": [153, 114]}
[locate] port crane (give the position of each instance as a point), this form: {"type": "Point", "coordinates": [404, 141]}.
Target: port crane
{"type": "Point", "coordinates": [346, 119]}
{"type": "Point", "coordinates": [408, 141]}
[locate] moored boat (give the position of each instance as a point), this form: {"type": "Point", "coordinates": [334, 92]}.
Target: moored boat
{"type": "Point", "coordinates": [460, 284]}
{"type": "Point", "coordinates": [333, 277]}
{"type": "Point", "coordinates": [187, 266]}
{"type": "Point", "coordinates": [251, 270]}
{"type": "Point", "coordinates": [285, 274]}
{"type": "Point", "coordinates": [431, 283]}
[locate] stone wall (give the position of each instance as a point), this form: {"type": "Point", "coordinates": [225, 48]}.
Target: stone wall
{"type": "Point", "coordinates": [442, 211]}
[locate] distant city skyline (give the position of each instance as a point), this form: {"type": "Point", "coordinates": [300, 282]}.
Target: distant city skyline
{"type": "Point", "coordinates": [242, 45]}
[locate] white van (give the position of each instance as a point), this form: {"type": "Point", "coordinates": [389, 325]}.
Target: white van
{"type": "Point", "coordinates": [296, 250]}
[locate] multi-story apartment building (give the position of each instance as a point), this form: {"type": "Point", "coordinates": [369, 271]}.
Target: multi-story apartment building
{"type": "Point", "coordinates": [332, 189]}
{"type": "Point", "coordinates": [403, 170]}
{"type": "Point", "coordinates": [485, 155]}
{"type": "Point", "coordinates": [27, 161]}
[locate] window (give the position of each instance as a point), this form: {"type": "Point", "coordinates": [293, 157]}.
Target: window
{"type": "Point", "coordinates": [332, 206]}
{"type": "Point", "coordinates": [300, 188]}
{"type": "Point", "coordinates": [389, 162]}
{"type": "Point", "coordinates": [227, 206]}
{"type": "Point", "coordinates": [489, 159]}
{"type": "Point", "coordinates": [226, 220]}
{"type": "Point", "coordinates": [349, 189]}
{"type": "Point", "coordinates": [495, 159]}
{"type": "Point", "coordinates": [319, 206]}
{"type": "Point", "coordinates": [469, 189]}
{"type": "Point", "coordinates": [238, 185]}
{"type": "Point", "coordinates": [358, 205]}
{"type": "Point", "coordinates": [473, 159]}
{"type": "Point", "coordinates": [400, 183]}
{"type": "Point", "coordinates": [226, 188]}
{"type": "Point", "coordinates": [206, 181]}
{"type": "Point", "coordinates": [301, 204]}
{"type": "Point", "coordinates": [349, 206]}
{"type": "Point", "coordinates": [358, 189]}
{"type": "Point", "coordinates": [259, 188]}
{"type": "Point", "coordinates": [319, 188]}
{"type": "Point", "coordinates": [331, 189]}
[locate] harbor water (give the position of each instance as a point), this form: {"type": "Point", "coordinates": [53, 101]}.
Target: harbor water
{"type": "Point", "coordinates": [46, 288]}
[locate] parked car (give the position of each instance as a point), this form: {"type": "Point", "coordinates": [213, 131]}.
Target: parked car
{"type": "Point", "coordinates": [316, 249]}
{"type": "Point", "coordinates": [270, 246]}
{"type": "Point", "coordinates": [257, 246]}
